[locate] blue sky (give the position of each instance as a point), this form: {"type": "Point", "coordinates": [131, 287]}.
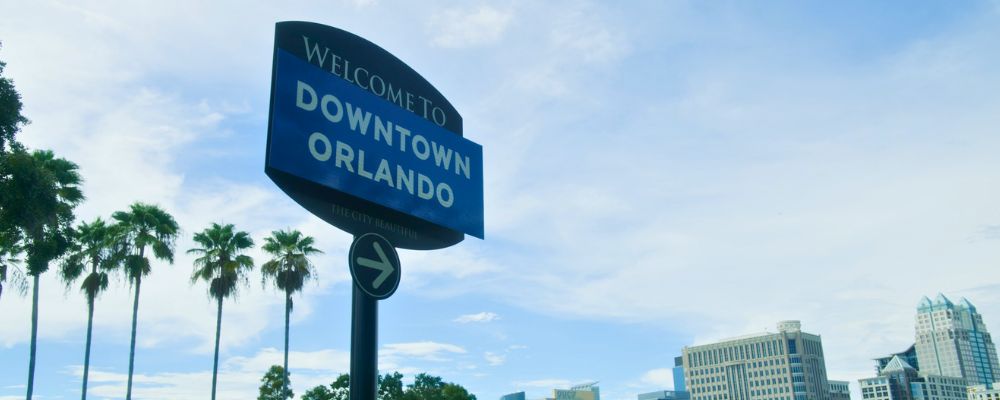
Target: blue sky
{"type": "Point", "coordinates": [658, 174]}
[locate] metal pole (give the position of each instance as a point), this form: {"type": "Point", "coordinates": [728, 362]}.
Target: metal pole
{"type": "Point", "coordinates": [364, 342]}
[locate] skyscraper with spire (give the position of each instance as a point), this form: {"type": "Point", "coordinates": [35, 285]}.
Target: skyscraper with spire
{"type": "Point", "coordinates": [951, 340]}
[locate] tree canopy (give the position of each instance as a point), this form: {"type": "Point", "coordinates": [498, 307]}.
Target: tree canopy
{"type": "Point", "coordinates": [390, 387]}
{"type": "Point", "coordinates": [270, 388]}
{"type": "Point", "coordinates": [11, 119]}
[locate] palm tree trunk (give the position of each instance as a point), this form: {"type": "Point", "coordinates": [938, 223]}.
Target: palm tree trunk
{"type": "Point", "coordinates": [218, 332]}
{"type": "Point", "coordinates": [131, 352]}
{"type": "Point", "coordinates": [288, 309]}
{"type": "Point", "coordinates": [86, 354]}
{"type": "Point", "coordinates": [34, 337]}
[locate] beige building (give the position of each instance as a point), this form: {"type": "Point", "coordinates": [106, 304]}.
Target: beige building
{"type": "Point", "coordinates": [983, 392]}
{"type": "Point", "coordinates": [787, 365]}
{"type": "Point", "coordinates": [586, 391]}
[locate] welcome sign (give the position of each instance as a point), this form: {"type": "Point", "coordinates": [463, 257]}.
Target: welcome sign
{"type": "Point", "coordinates": [364, 142]}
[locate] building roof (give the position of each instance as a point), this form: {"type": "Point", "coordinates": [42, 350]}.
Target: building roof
{"type": "Point", "coordinates": [585, 386]}
{"type": "Point", "coordinates": [966, 304]}
{"type": "Point", "coordinates": [897, 364]}
{"type": "Point", "coordinates": [940, 300]}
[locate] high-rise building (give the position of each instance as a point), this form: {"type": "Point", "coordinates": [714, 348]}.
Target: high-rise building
{"type": "Point", "coordinates": [787, 365]}
{"type": "Point", "coordinates": [898, 380]}
{"type": "Point", "coordinates": [951, 340]}
{"type": "Point", "coordinates": [666, 395]}
{"type": "Point", "coordinates": [513, 396]}
{"type": "Point", "coordinates": [679, 374]}
{"type": "Point", "coordinates": [840, 390]}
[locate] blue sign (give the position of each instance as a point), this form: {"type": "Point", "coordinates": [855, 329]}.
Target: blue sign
{"type": "Point", "coordinates": [344, 136]}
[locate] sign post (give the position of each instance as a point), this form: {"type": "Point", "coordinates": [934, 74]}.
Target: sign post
{"type": "Point", "coordinates": [365, 143]}
{"type": "Point", "coordinates": [364, 346]}
{"type": "Point", "coordinates": [375, 271]}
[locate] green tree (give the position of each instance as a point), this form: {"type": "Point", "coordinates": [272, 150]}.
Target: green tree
{"type": "Point", "coordinates": [424, 387]}
{"type": "Point", "coordinates": [273, 385]}
{"type": "Point", "coordinates": [451, 391]}
{"type": "Point", "coordinates": [340, 389]}
{"type": "Point", "coordinates": [92, 246]}
{"type": "Point", "coordinates": [390, 386]}
{"type": "Point", "coordinates": [221, 264]}
{"type": "Point", "coordinates": [429, 387]}
{"type": "Point", "coordinates": [289, 268]}
{"type": "Point", "coordinates": [37, 195]}
{"type": "Point", "coordinates": [11, 119]}
{"type": "Point", "coordinates": [143, 226]}
{"type": "Point", "coordinates": [321, 392]}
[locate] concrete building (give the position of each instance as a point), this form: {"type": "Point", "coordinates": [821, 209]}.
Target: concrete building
{"type": "Point", "coordinates": [892, 383]}
{"type": "Point", "coordinates": [787, 365]}
{"type": "Point", "coordinates": [983, 392]}
{"type": "Point", "coordinates": [936, 387]}
{"type": "Point", "coordinates": [840, 390]}
{"type": "Point", "coordinates": [951, 340]}
{"type": "Point", "coordinates": [679, 374]}
{"type": "Point", "coordinates": [909, 355]}
{"type": "Point", "coordinates": [664, 395]}
{"type": "Point", "coordinates": [586, 391]}
{"type": "Point", "coordinates": [898, 380]}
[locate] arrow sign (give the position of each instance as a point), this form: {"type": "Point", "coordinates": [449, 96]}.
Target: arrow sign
{"type": "Point", "coordinates": [374, 265]}
{"type": "Point", "coordinates": [382, 264]}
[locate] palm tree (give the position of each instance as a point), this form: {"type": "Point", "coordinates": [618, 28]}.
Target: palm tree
{"type": "Point", "coordinates": [10, 250]}
{"type": "Point", "coordinates": [92, 245]}
{"type": "Point", "coordinates": [142, 226]}
{"type": "Point", "coordinates": [222, 265]}
{"type": "Point", "coordinates": [289, 268]}
{"type": "Point", "coordinates": [38, 192]}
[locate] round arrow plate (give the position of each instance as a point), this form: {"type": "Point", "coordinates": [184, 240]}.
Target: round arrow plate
{"type": "Point", "coordinates": [374, 265]}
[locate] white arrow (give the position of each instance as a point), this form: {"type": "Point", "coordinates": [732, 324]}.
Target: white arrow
{"type": "Point", "coordinates": [382, 264]}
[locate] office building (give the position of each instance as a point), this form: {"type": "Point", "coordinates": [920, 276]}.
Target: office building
{"type": "Point", "coordinates": [892, 383]}
{"type": "Point", "coordinates": [935, 387]}
{"type": "Point", "coordinates": [951, 340]}
{"type": "Point", "coordinates": [909, 355]}
{"type": "Point", "coordinates": [787, 365]}
{"type": "Point", "coordinates": [586, 391]}
{"type": "Point", "coordinates": [513, 396]}
{"type": "Point", "coordinates": [679, 374]}
{"type": "Point", "coordinates": [664, 395]}
{"type": "Point", "coordinates": [898, 380]}
{"type": "Point", "coordinates": [983, 392]}
{"type": "Point", "coordinates": [840, 390]}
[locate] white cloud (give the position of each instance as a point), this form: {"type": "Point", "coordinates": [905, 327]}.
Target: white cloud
{"type": "Point", "coordinates": [239, 377]}
{"type": "Point", "coordinates": [461, 28]}
{"type": "Point", "coordinates": [427, 350]}
{"type": "Point", "coordinates": [495, 359]}
{"type": "Point", "coordinates": [484, 316]}
{"type": "Point", "coordinates": [660, 377]}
